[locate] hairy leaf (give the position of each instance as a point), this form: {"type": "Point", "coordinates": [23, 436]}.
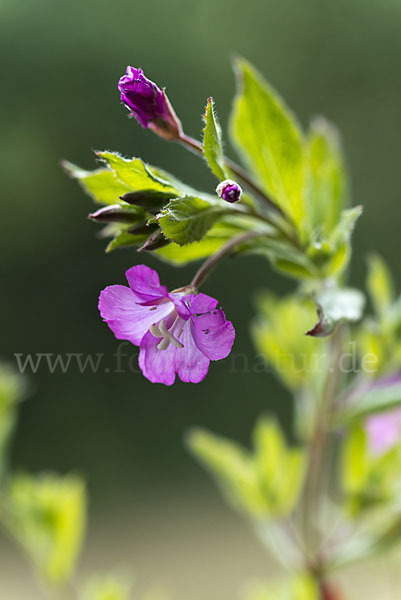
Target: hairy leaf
{"type": "Point", "coordinates": [187, 219]}
{"type": "Point", "coordinates": [212, 142]}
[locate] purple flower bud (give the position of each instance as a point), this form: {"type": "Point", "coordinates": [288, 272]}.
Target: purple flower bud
{"type": "Point", "coordinates": [149, 104]}
{"type": "Point", "coordinates": [229, 191]}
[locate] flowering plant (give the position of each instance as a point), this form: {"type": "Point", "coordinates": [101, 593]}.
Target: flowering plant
{"type": "Point", "coordinates": [330, 498]}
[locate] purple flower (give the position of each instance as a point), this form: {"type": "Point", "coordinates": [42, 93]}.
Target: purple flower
{"type": "Point", "coordinates": [384, 431]}
{"type": "Point", "coordinates": [177, 332]}
{"type": "Point", "coordinates": [148, 104]}
{"type": "Point", "coordinates": [229, 190]}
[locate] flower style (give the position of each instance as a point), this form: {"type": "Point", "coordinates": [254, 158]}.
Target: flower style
{"type": "Point", "coordinates": [149, 104]}
{"type": "Point", "coordinates": [177, 332]}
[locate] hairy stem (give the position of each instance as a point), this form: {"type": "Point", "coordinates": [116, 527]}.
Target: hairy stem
{"type": "Point", "coordinates": [213, 260]}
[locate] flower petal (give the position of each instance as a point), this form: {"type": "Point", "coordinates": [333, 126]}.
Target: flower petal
{"type": "Point", "coordinates": [156, 365]}
{"type": "Point", "coordinates": [127, 319]}
{"type": "Point", "coordinates": [201, 303]}
{"type": "Point", "coordinates": [145, 284]}
{"type": "Point", "coordinates": [190, 363]}
{"type": "Point", "coordinates": [213, 335]}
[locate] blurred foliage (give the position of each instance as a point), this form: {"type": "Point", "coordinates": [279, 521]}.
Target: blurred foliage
{"type": "Point", "coordinates": [279, 334]}
{"type": "Point", "coordinates": [46, 515]}
{"type": "Point", "coordinates": [264, 483]}
{"type": "Point", "coordinates": [379, 336]}
{"type": "Point", "coordinates": [106, 588]}
{"type": "Point", "coordinates": [301, 587]}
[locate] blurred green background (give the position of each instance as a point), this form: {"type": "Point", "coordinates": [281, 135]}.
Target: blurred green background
{"type": "Point", "coordinates": [152, 508]}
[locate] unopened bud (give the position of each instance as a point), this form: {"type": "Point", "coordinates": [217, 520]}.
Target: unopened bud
{"type": "Point", "coordinates": [149, 104]}
{"type": "Point", "coordinates": [113, 214]}
{"type": "Point", "coordinates": [229, 191]}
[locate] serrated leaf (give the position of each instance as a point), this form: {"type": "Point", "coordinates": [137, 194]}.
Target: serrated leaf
{"type": "Point", "coordinates": [212, 142]}
{"type": "Point", "coordinates": [326, 181]}
{"type": "Point", "coordinates": [102, 184]}
{"type": "Point", "coordinates": [187, 219]}
{"type": "Point", "coordinates": [134, 173]}
{"type": "Point", "coordinates": [267, 135]}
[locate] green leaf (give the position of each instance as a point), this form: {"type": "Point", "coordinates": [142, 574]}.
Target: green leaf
{"type": "Point", "coordinates": [218, 235]}
{"type": "Point", "coordinates": [380, 286]}
{"type": "Point", "coordinates": [187, 219]}
{"type": "Point", "coordinates": [46, 515]}
{"type": "Point", "coordinates": [267, 135]}
{"type": "Point", "coordinates": [326, 187]}
{"type": "Point", "coordinates": [125, 239]}
{"type": "Point", "coordinates": [102, 185]}
{"type": "Point", "coordinates": [121, 176]}
{"type": "Point", "coordinates": [134, 173]}
{"type": "Point", "coordinates": [335, 306]}
{"type": "Point", "coordinates": [212, 142]}
{"type": "Point", "coordinates": [262, 484]}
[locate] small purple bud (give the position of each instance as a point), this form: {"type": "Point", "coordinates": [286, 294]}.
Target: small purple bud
{"type": "Point", "coordinates": [229, 191]}
{"type": "Point", "coordinates": [149, 104]}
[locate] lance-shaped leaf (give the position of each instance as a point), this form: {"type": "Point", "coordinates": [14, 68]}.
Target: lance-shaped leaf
{"type": "Point", "coordinates": [334, 306]}
{"type": "Point", "coordinates": [269, 138]}
{"type": "Point", "coordinates": [187, 219]}
{"type": "Point", "coordinates": [326, 181]}
{"type": "Point", "coordinates": [212, 142]}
